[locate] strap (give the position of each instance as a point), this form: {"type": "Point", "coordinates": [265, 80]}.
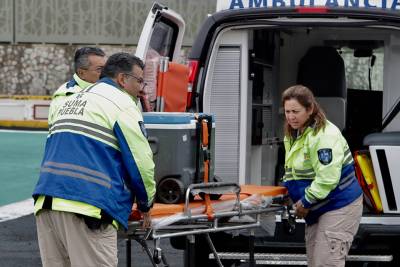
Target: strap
{"type": "Point", "coordinates": [209, 210]}
{"type": "Point", "coordinates": [47, 203]}
{"type": "Point", "coordinates": [204, 126]}
{"type": "Point", "coordinates": [204, 122]}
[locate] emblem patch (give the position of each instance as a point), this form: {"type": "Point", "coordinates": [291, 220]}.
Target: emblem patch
{"type": "Point", "coordinates": [143, 128]}
{"type": "Point", "coordinates": [325, 156]}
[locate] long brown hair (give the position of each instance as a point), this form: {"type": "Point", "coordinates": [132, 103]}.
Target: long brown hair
{"type": "Point", "coordinates": [306, 98]}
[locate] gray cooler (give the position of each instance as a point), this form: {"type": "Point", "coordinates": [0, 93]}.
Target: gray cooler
{"type": "Point", "coordinates": [175, 141]}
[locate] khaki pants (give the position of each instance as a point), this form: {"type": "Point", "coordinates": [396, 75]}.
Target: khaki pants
{"type": "Point", "coordinates": [328, 241]}
{"type": "Point", "coordinates": [65, 240]}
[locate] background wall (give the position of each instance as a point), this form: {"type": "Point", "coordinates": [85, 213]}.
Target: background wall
{"type": "Point", "coordinates": [39, 69]}
{"type": "Point", "coordinates": [38, 38]}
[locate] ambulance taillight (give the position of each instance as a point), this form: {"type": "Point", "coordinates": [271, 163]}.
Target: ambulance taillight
{"type": "Point", "coordinates": [193, 70]}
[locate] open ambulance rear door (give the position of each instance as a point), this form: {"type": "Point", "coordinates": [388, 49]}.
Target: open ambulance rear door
{"type": "Point", "coordinates": [160, 47]}
{"type": "Point", "coordinates": [163, 32]}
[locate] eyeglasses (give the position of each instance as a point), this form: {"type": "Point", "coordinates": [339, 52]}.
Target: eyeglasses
{"type": "Point", "coordinates": [98, 69]}
{"type": "Point", "coordinates": [139, 80]}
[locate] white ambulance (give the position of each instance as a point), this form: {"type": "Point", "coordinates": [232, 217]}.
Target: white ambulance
{"type": "Point", "coordinates": [249, 51]}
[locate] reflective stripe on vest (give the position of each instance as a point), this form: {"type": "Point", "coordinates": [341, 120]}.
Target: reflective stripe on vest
{"type": "Point", "coordinates": [71, 171]}
{"type": "Point", "coordinates": [89, 128]}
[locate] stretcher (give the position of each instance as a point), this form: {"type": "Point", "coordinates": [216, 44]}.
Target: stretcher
{"type": "Point", "coordinates": [239, 208]}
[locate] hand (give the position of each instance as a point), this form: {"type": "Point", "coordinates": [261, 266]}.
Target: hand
{"type": "Point", "coordinates": [146, 220]}
{"type": "Point", "coordinates": [300, 211]}
{"type": "Point", "coordinates": [142, 93]}
{"type": "Point", "coordinates": [145, 102]}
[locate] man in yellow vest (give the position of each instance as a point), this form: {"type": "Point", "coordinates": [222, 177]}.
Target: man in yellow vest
{"type": "Point", "coordinates": [97, 162]}
{"type": "Point", "coordinates": [88, 64]}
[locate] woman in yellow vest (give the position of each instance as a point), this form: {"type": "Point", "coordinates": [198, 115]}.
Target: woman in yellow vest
{"type": "Point", "coordinates": [319, 175]}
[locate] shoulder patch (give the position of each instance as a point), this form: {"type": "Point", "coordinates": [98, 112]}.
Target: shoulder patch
{"type": "Point", "coordinates": [143, 128]}
{"type": "Point", "coordinates": [325, 156]}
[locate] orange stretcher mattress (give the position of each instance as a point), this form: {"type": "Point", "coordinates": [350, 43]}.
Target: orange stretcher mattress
{"type": "Point", "coordinates": [161, 210]}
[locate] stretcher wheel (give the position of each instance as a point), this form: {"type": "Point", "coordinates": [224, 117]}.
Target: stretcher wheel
{"type": "Point", "coordinates": [171, 191]}
{"type": "Point", "coordinates": [157, 256]}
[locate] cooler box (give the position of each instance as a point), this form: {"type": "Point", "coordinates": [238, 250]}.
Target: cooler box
{"type": "Point", "coordinates": [175, 141]}
{"type": "Point", "coordinates": [385, 154]}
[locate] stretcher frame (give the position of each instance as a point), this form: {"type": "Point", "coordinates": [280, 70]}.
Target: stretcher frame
{"type": "Point", "coordinates": [200, 224]}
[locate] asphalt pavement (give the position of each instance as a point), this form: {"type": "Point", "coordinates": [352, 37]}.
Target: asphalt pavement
{"type": "Point", "coordinates": [19, 247]}
{"type": "Point", "coordinates": [19, 171]}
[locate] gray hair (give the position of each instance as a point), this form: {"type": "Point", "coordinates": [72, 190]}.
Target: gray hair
{"type": "Point", "coordinates": [81, 59]}
{"type": "Point", "coordinates": [120, 63]}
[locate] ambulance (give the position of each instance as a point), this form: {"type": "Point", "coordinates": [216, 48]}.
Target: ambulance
{"type": "Point", "coordinates": [346, 51]}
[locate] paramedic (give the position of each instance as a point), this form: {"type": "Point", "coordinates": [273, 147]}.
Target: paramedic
{"type": "Point", "coordinates": [319, 175]}
{"type": "Point", "coordinates": [88, 64]}
{"type": "Point", "coordinates": [97, 161]}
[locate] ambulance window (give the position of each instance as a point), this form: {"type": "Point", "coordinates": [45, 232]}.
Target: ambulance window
{"type": "Point", "coordinates": [163, 38]}
{"type": "Point", "coordinates": [358, 68]}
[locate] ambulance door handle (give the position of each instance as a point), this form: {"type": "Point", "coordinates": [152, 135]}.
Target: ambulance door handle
{"type": "Point", "coordinates": [153, 142]}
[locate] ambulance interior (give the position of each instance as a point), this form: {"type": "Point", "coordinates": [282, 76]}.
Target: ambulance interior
{"type": "Point", "coordinates": [352, 71]}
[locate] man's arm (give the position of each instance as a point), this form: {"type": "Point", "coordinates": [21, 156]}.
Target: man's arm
{"type": "Point", "coordinates": [137, 157]}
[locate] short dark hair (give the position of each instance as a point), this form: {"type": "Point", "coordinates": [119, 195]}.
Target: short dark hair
{"type": "Point", "coordinates": [81, 58]}
{"type": "Point", "coordinates": [120, 63]}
